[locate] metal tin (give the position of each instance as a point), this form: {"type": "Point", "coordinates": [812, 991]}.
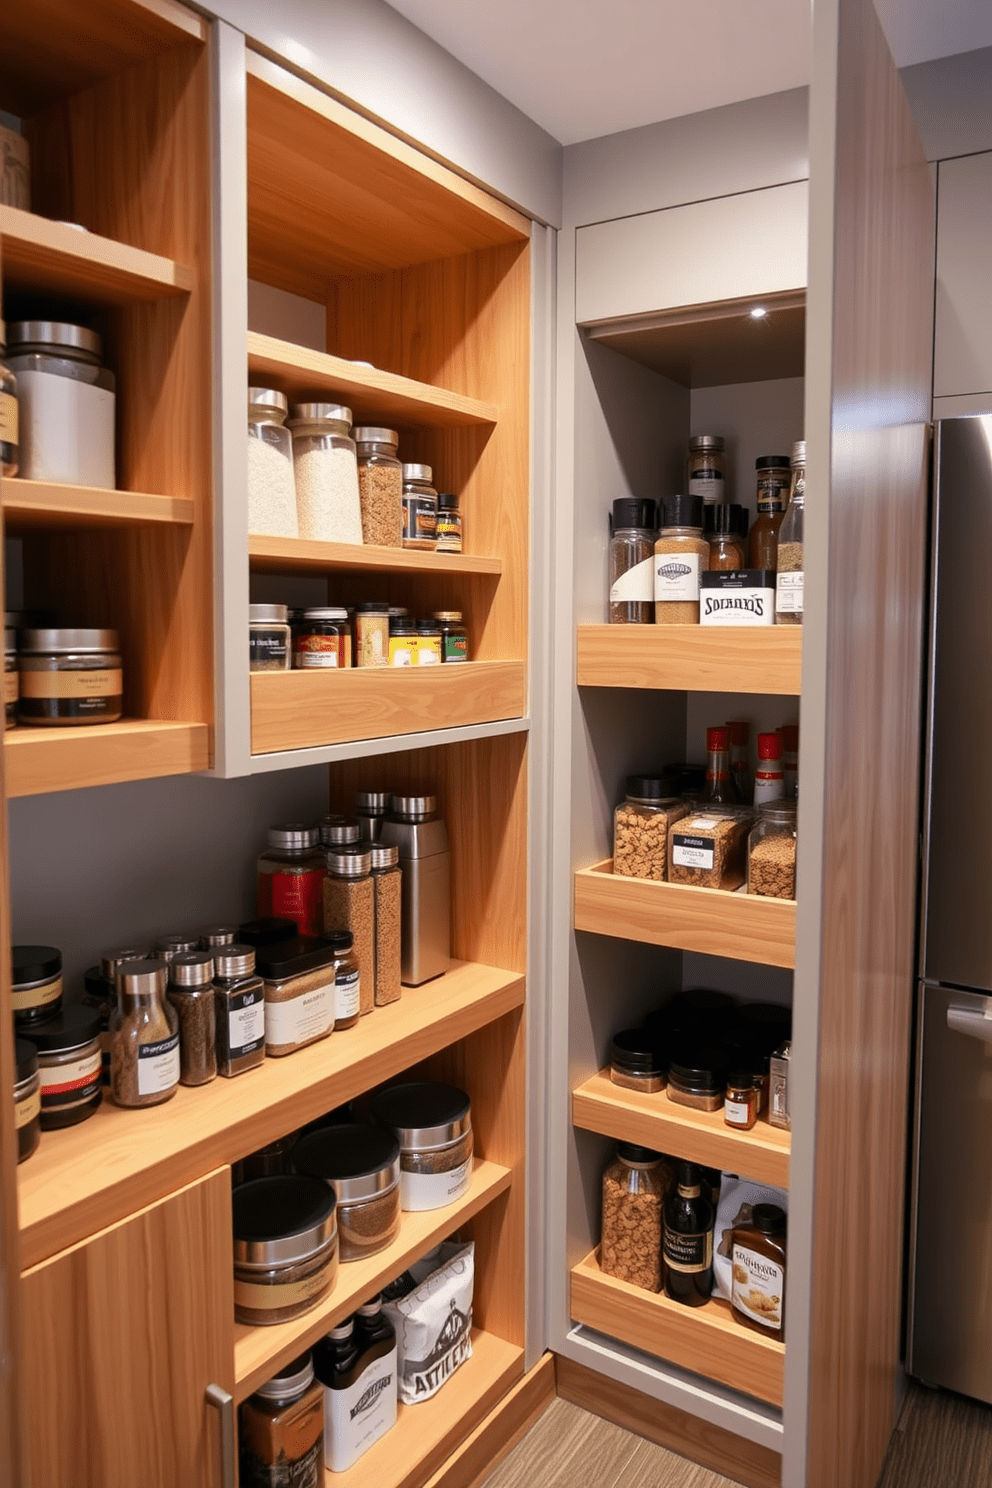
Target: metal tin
{"type": "Point", "coordinates": [337, 830]}
{"type": "Point", "coordinates": [281, 1221]}
{"type": "Point", "coordinates": [294, 1380]}
{"type": "Point", "coordinates": [218, 935]}
{"type": "Point", "coordinates": [359, 1162]}
{"type": "Point", "coordinates": [192, 969]}
{"type": "Point", "coordinates": [234, 960]}
{"type": "Point", "coordinates": [425, 1115]}
{"type": "Point", "coordinates": [414, 808]}
{"type": "Point", "coordinates": [168, 947]}
{"type": "Point", "coordinates": [384, 857]}
{"type": "Point", "coordinates": [37, 983]}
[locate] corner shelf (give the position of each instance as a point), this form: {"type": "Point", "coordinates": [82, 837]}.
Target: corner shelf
{"type": "Point", "coordinates": [91, 1175]}
{"type": "Point", "coordinates": [38, 506]}
{"type": "Point", "coordinates": [692, 658]}
{"type": "Point", "coordinates": [281, 555]}
{"type": "Point", "coordinates": [259, 1353]}
{"type": "Point", "coordinates": [744, 927]}
{"type": "Point", "coordinates": [39, 760]}
{"type": "Point", "coordinates": [704, 1339]}
{"type": "Point", "coordinates": [58, 259]}
{"type": "Point", "coordinates": [699, 1136]}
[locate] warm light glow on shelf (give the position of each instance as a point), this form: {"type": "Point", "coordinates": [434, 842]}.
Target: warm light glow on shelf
{"type": "Point", "coordinates": [759, 312]}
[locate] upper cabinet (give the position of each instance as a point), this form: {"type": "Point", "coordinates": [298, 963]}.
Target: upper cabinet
{"type": "Point", "coordinates": [963, 340]}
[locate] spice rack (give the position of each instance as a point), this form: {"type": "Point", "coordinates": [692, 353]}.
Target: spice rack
{"type": "Point", "coordinates": [695, 658]}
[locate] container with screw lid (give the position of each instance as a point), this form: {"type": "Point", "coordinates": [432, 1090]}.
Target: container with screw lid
{"type": "Point", "coordinates": [239, 1010]}
{"type": "Point", "coordinates": [641, 824]}
{"type": "Point", "coordinates": [27, 1098]}
{"type": "Point", "coordinates": [285, 1247]}
{"type": "Point", "coordinates": [705, 468]}
{"type": "Point", "coordinates": [299, 993]}
{"type": "Point", "coordinates": [387, 881]}
{"type": "Point", "coordinates": [362, 1166]}
{"type": "Point", "coordinates": [37, 983]}
{"type": "Point", "coordinates": [176, 943]}
{"type": "Point", "coordinates": [66, 404]}
{"type": "Point", "coordinates": [433, 1125]}
{"type": "Point", "coordinates": [217, 935]}
{"type": "Point", "coordinates": [191, 992]}
{"type": "Point", "coordinates": [697, 1076]}
{"type": "Point", "coordinates": [291, 874]}
{"type": "Point", "coordinates": [69, 677]}
{"type": "Point", "coordinates": [637, 1061]}
{"type": "Point", "coordinates": [347, 979]}
{"type": "Point", "coordinates": [281, 1430]}
{"type": "Point", "coordinates": [68, 1048]}
{"type": "Point", "coordinates": [372, 633]}
{"type": "Point", "coordinates": [370, 812]}
{"type": "Point", "coordinates": [326, 467]}
{"type": "Point", "coordinates": [144, 1036]}
{"type": "Point", "coordinates": [419, 508]}
{"type": "Point", "coordinates": [322, 639]}
{"type": "Point", "coordinates": [380, 486]}
{"type": "Point", "coordinates": [271, 487]}
{"type": "Point", "coordinates": [269, 638]}
{"type": "Point", "coordinates": [454, 636]}
{"type": "Point", "coordinates": [339, 831]}
{"type": "Point", "coordinates": [349, 904]}
{"type": "Point", "coordinates": [449, 523]}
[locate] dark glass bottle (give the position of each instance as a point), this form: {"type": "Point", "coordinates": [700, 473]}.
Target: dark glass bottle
{"type": "Point", "coordinates": [719, 785]}
{"type": "Point", "coordinates": [688, 1242]}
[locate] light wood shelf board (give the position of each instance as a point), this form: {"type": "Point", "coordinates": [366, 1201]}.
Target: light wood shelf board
{"type": "Point", "coordinates": [699, 1136]}
{"type": "Point", "coordinates": [37, 254]}
{"type": "Point", "coordinates": [33, 506]}
{"type": "Point", "coordinates": [326, 754]}
{"type": "Point", "coordinates": [757, 659]}
{"type": "Point", "coordinates": [426, 1434]}
{"type": "Point", "coordinates": [301, 710]}
{"type": "Point", "coordinates": [295, 555]}
{"type": "Point", "coordinates": [90, 1175]}
{"type": "Point", "coordinates": [374, 396]}
{"type": "Point", "coordinates": [703, 1339]}
{"type": "Point", "coordinates": [743, 927]}
{"type": "Point", "coordinates": [259, 1353]}
{"type": "Point", "coordinates": [39, 760]}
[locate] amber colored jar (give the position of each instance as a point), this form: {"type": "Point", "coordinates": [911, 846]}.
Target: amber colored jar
{"type": "Point", "coordinates": [281, 1430]}
{"type": "Point", "coordinates": [721, 528]}
{"type": "Point", "coordinates": [757, 1297]}
{"type": "Point", "coordinates": [740, 1104]}
{"type": "Point", "coordinates": [774, 478]}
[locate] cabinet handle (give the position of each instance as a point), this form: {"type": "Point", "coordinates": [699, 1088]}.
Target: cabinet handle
{"type": "Point", "coordinates": [971, 1022]}
{"type": "Point", "coordinates": [224, 1404]}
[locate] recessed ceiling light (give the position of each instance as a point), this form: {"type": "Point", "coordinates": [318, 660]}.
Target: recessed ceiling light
{"type": "Point", "coordinates": [759, 312]}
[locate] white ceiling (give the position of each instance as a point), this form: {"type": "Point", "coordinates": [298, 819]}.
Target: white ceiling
{"type": "Point", "coordinates": [582, 69]}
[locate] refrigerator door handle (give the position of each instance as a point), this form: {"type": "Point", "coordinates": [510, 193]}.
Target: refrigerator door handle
{"type": "Point", "coordinates": [969, 1021]}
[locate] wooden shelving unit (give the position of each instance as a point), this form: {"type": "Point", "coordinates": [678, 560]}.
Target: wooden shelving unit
{"type": "Point", "coordinates": [39, 506]}
{"type": "Point", "coordinates": [294, 555]}
{"type": "Point", "coordinates": [38, 760]}
{"type": "Point", "coordinates": [62, 260]}
{"type": "Point", "coordinates": [699, 1136]}
{"type": "Point", "coordinates": [704, 1339]}
{"type": "Point", "coordinates": [743, 926]}
{"type": "Point", "coordinates": [693, 658]}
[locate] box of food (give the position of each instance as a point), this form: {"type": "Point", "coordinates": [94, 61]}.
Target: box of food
{"type": "Point", "coordinates": [708, 848]}
{"type": "Point", "coordinates": [742, 596]}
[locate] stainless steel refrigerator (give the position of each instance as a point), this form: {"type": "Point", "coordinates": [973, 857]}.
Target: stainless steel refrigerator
{"type": "Point", "coordinates": [950, 1291]}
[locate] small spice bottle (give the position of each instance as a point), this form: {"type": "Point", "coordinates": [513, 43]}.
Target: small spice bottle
{"type": "Point", "coordinates": [217, 935]}
{"type": "Point", "coordinates": [697, 1077]}
{"type": "Point", "coordinates": [285, 1247]}
{"type": "Point", "coordinates": [281, 1430]}
{"type": "Point", "coordinates": [372, 633]}
{"type": "Point", "coordinates": [349, 904]}
{"type": "Point", "coordinates": [322, 640]}
{"type": "Point", "coordinates": [681, 554]}
{"type": "Point", "coordinates": [339, 831]}
{"type": "Point", "coordinates": [705, 468]}
{"type": "Point", "coordinates": [380, 486]}
{"type": "Point", "coordinates": [402, 640]}
{"type": "Point", "coordinates": [361, 1164]}
{"type": "Point", "coordinates": [758, 1249]}
{"type": "Point", "coordinates": [100, 993]}
{"type": "Point", "coordinates": [419, 508]}
{"type": "Point", "coordinates": [299, 993]}
{"type": "Point", "coordinates": [772, 498]}
{"type": "Point", "coordinates": [721, 526]}
{"type": "Point", "coordinates": [144, 1037]}
{"type": "Point", "coordinates": [740, 1104]}
{"type": "Point", "coordinates": [449, 523]}
{"type": "Point", "coordinates": [433, 1125]}
{"type": "Point", "coordinates": [347, 979]}
{"type": "Point", "coordinates": [167, 947]}
{"type": "Point", "coordinates": [239, 1009]}
{"type": "Point", "coordinates": [637, 1062]}
{"type": "Point", "coordinates": [454, 636]}
{"type": "Point", "coordinates": [191, 993]}
{"type": "Point", "coordinates": [387, 882]}
{"type": "Point", "coordinates": [633, 530]}
{"type": "Point", "coordinates": [769, 779]}
{"type": "Point", "coordinates": [370, 812]}
{"type": "Point", "coordinates": [11, 677]}
{"type": "Point", "coordinates": [70, 677]}
{"type": "Point", "coordinates": [291, 875]}
{"type": "Point", "coordinates": [269, 638]}
{"type": "Point", "coordinates": [789, 582]}
{"type": "Point", "coordinates": [634, 1188]}
{"type": "Point", "coordinates": [27, 1098]}
{"type": "Point", "coordinates": [68, 1048]}
{"type": "Point", "coordinates": [428, 643]}
{"type": "Point", "coordinates": [37, 983]}
{"type": "Point", "coordinates": [640, 827]}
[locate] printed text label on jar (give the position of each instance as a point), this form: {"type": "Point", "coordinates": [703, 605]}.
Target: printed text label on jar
{"type": "Point", "coordinates": [421, 1191]}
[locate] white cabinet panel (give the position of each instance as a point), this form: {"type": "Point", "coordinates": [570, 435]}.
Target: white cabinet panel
{"type": "Point", "coordinates": [724, 249]}
{"type": "Point", "coordinates": [963, 342]}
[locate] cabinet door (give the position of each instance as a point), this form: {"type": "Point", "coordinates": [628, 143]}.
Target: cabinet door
{"type": "Point", "coordinates": [124, 1333]}
{"type": "Point", "coordinates": [963, 327]}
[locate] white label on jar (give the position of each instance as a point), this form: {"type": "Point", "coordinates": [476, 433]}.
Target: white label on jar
{"type": "Point", "coordinates": [307, 659]}
{"type": "Point", "coordinates": [158, 1066]}
{"type": "Point", "coordinates": [768, 786]}
{"type": "Point", "coordinates": [692, 852]}
{"type": "Point", "coordinates": [59, 1079]}
{"type": "Point", "coordinates": [347, 995]}
{"type": "Point", "coordinates": [789, 593]}
{"type": "Point", "coordinates": [246, 1026]}
{"type": "Point", "coordinates": [104, 682]}
{"type": "Point", "coordinates": [733, 604]}
{"type": "Point", "coordinates": [676, 577]}
{"type": "Point", "coordinates": [355, 1418]}
{"type": "Point", "coordinates": [67, 430]}
{"type": "Point", "coordinates": [308, 1016]}
{"type": "Point", "coordinates": [708, 484]}
{"type": "Point", "coordinates": [758, 1287]}
{"type": "Point", "coordinates": [637, 584]}
{"type": "Point", "coordinates": [8, 418]}
{"type": "Point", "coordinates": [420, 1191]}
{"type": "Point", "coordinates": [736, 1112]}
{"type": "Point", "coordinates": [27, 1109]}
{"type": "Point", "coordinates": [33, 997]}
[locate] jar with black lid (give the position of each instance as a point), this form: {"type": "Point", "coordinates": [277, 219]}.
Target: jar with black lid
{"type": "Point", "coordinates": [322, 639]}
{"type": "Point", "coordinates": [361, 1164]}
{"type": "Point", "coordinates": [402, 640]}
{"type": "Point", "coordinates": [27, 1098]}
{"type": "Point", "coordinates": [347, 979]}
{"type": "Point", "coordinates": [239, 1008]}
{"type": "Point", "coordinates": [37, 983]}
{"type": "Point", "coordinates": [285, 1247]}
{"type": "Point", "coordinates": [11, 677]}
{"type": "Point", "coordinates": [637, 1061]}
{"type": "Point", "coordinates": [100, 993]}
{"type": "Point", "coordinates": [68, 1048]}
{"type": "Point", "coordinates": [454, 636]}
{"type": "Point", "coordinates": [433, 1125]}
{"type": "Point", "coordinates": [641, 825]}
{"type": "Point", "coordinates": [449, 523]}
{"type": "Point", "coordinates": [633, 530]}
{"type": "Point", "coordinates": [70, 677]}
{"type": "Point", "coordinates": [266, 931]}
{"type": "Point", "coordinates": [299, 993]}
{"type": "Point", "coordinates": [191, 992]}
{"type": "Point", "coordinates": [697, 1009]}
{"type": "Point", "coordinates": [697, 1077]}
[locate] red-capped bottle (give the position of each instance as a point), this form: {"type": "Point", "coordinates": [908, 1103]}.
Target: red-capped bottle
{"type": "Point", "coordinates": [739, 731]}
{"type": "Point", "coordinates": [790, 758]}
{"type": "Point", "coordinates": [719, 786]}
{"type": "Point", "coordinates": [769, 780]}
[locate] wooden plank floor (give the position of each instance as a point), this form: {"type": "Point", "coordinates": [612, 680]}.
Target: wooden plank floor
{"type": "Point", "coordinates": [942, 1441]}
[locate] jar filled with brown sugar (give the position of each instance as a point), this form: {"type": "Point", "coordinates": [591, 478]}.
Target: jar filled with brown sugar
{"type": "Point", "coordinates": [681, 555]}
{"type": "Point", "coordinates": [144, 1037]}
{"type": "Point", "coordinates": [634, 1189]}
{"type": "Point", "coordinates": [349, 904]}
{"type": "Point", "coordinates": [774, 478]}
{"type": "Point", "coordinates": [637, 1061]}
{"type": "Point", "coordinates": [641, 824]}
{"type": "Point", "coordinates": [281, 1430]}
{"type": "Point", "coordinates": [361, 1165]}
{"type": "Point", "coordinates": [771, 852]}
{"type": "Point", "coordinates": [387, 881]}
{"type": "Point", "coordinates": [433, 1125]}
{"type": "Point", "coordinates": [380, 486]}
{"type": "Point", "coordinates": [285, 1247]}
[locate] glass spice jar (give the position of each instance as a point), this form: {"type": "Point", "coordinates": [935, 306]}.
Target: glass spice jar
{"type": "Point", "coordinates": [372, 634]}
{"type": "Point", "coordinates": [144, 1037]}
{"type": "Point", "coordinates": [322, 639]}
{"type": "Point", "coordinates": [721, 525]}
{"type": "Point", "coordinates": [428, 643]}
{"type": "Point", "coordinates": [380, 486]}
{"type": "Point", "coordinates": [419, 508]}
{"type": "Point", "coordinates": [36, 992]}
{"type": "Point", "coordinates": [339, 831]}
{"type": "Point", "coordinates": [285, 1247]}
{"type": "Point", "coordinates": [11, 678]}
{"type": "Point", "coordinates": [449, 523]}
{"type": "Point", "coordinates": [454, 636]}
{"type": "Point", "coordinates": [191, 993]}
{"type": "Point", "coordinates": [325, 468]}
{"type": "Point", "coordinates": [271, 486]}
{"type": "Point", "coordinates": [9, 435]}
{"type": "Point", "coordinates": [68, 1048]}
{"type": "Point", "coordinates": [387, 882]}
{"type": "Point", "coordinates": [637, 1061]}
{"type": "Point", "coordinates": [771, 852]}
{"type": "Point", "coordinates": [705, 469]}
{"type": "Point", "coordinates": [290, 878]}
{"type": "Point", "coordinates": [100, 993]}
{"type": "Point", "coordinates": [772, 498]}
{"type": "Point", "coordinates": [361, 1165]}
{"type": "Point", "coordinates": [269, 638]}
{"type": "Point", "coordinates": [402, 640]}
{"type": "Point", "coordinates": [789, 580]}
{"type": "Point", "coordinates": [740, 1103]}
{"type": "Point", "coordinates": [299, 993]}
{"type": "Point", "coordinates": [70, 677]}
{"type": "Point", "coordinates": [681, 554]}
{"type": "Point", "coordinates": [349, 904]}
{"type": "Point", "coordinates": [347, 979]}
{"type": "Point", "coordinates": [239, 1010]}
{"type": "Point", "coordinates": [281, 1430]}
{"type": "Point", "coordinates": [27, 1098]}
{"type": "Point", "coordinates": [641, 824]}
{"type": "Point", "coordinates": [633, 531]}
{"type": "Point", "coordinates": [433, 1125]}
{"type": "Point", "coordinates": [634, 1189]}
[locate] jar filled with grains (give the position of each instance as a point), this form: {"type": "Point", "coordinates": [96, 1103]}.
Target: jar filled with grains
{"type": "Point", "coordinates": [681, 554]}
{"type": "Point", "coordinates": [239, 1009]}
{"type": "Point", "coordinates": [419, 508]}
{"type": "Point", "coordinates": [640, 827]}
{"type": "Point", "coordinates": [721, 525]}
{"type": "Point", "coordinates": [361, 1165]}
{"type": "Point", "coordinates": [347, 979]}
{"type": "Point", "coordinates": [349, 904]}
{"type": "Point", "coordinates": [191, 993]}
{"type": "Point", "coordinates": [634, 1189]}
{"type": "Point", "coordinates": [290, 877]}
{"type": "Point", "coordinates": [326, 468]}
{"type": "Point", "coordinates": [387, 880]}
{"type": "Point", "coordinates": [771, 852]}
{"type": "Point", "coordinates": [299, 993]}
{"type": "Point", "coordinates": [271, 487]}
{"type": "Point", "coordinates": [144, 1037]}
{"type": "Point", "coordinates": [269, 638]}
{"type": "Point", "coordinates": [380, 485]}
{"type": "Point", "coordinates": [708, 848]}
{"type": "Point", "coordinates": [372, 633]}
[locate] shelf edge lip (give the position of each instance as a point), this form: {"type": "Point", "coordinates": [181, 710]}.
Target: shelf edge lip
{"type": "Point", "coordinates": [321, 754]}
{"type": "Point", "coordinates": [428, 563]}
{"type": "Point", "coordinates": [17, 743]}
{"type": "Point", "coordinates": [152, 274]}
{"type": "Point", "coordinates": [25, 499]}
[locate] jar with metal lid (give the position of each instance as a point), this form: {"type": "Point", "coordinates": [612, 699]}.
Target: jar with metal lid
{"type": "Point", "coordinates": [217, 935]}
{"type": "Point", "coordinates": [361, 1166]}
{"type": "Point", "coordinates": [144, 1037]}
{"type": "Point", "coordinates": [285, 1247]}
{"type": "Point", "coordinates": [740, 1104]}
{"type": "Point", "coordinates": [789, 579]}
{"type": "Point", "coordinates": [347, 979]}
{"type": "Point", "coordinates": [428, 643]}
{"type": "Point", "coordinates": [449, 523]}
{"type": "Point", "coordinates": [271, 485]}
{"type": "Point", "coordinates": [372, 633]}
{"type": "Point", "coordinates": [11, 679]}
{"type": "Point", "coordinates": [705, 470]}
{"type": "Point", "coordinates": [36, 983]}
{"type": "Point", "coordinates": [633, 530]}
{"type": "Point", "coordinates": [773, 476]}
{"type": "Point", "coordinates": [269, 638]}
{"type": "Point", "coordinates": [100, 994]}
{"type": "Point", "coordinates": [771, 852]}
{"type": "Point", "coordinates": [349, 904]}
{"type": "Point", "coordinates": [281, 1430]}
{"type": "Point", "coordinates": [9, 437]}
{"type": "Point", "coordinates": [433, 1125]}
{"type": "Point", "coordinates": [239, 1010]}
{"type": "Point", "coordinates": [27, 1098]}
{"type": "Point", "coordinates": [370, 812]}
{"type": "Point", "coordinates": [634, 1188]}
{"type": "Point", "coordinates": [66, 404]}
{"type": "Point", "coordinates": [68, 1048]}
{"type": "Point", "coordinates": [70, 677]}
{"type": "Point", "coordinates": [167, 947]}
{"type": "Point", "coordinates": [322, 639]}
{"type": "Point", "coordinates": [454, 636]}
{"type": "Point", "coordinates": [640, 827]}
{"type": "Point", "coordinates": [697, 1076]}
{"type": "Point", "coordinates": [325, 463]}
{"type": "Point", "coordinates": [387, 880]}
{"type": "Point", "coordinates": [291, 873]}
{"type": "Point", "coordinates": [637, 1061]}
{"type": "Point", "coordinates": [380, 486]}
{"type": "Point", "coordinates": [402, 640]}
{"type": "Point", "coordinates": [191, 993]}
{"type": "Point", "coordinates": [299, 993]}
{"type": "Point", "coordinates": [419, 508]}
{"type": "Point", "coordinates": [338, 831]}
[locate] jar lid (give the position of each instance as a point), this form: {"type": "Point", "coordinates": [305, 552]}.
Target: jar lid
{"type": "Point", "coordinates": [340, 941]}
{"type": "Point", "coordinates": [642, 1156]}
{"type": "Point", "coordinates": [342, 1331]}
{"type": "Point", "coordinates": [798, 456]}
{"type": "Point", "coordinates": [449, 617]}
{"type": "Point", "coordinates": [110, 960]}
{"type": "Point", "coordinates": [402, 625]}
{"type": "Point", "coordinates": [58, 641]}
{"type": "Point", "coordinates": [372, 607]}
{"type": "Point", "coordinates": [192, 969]}
{"type": "Point", "coordinates": [651, 788]}
{"type": "Point", "coordinates": [218, 935]}
{"type": "Point", "coordinates": [706, 442]}
{"type": "Point", "coordinates": [770, 1219]}
{"type": "Point", "coordinates": [635, 511]}
{"type": "Point", "coordinates": [383, 856]}
{"type": "Point", "coordinates": [141, 978]}
{"type": "Point", "coordinates": [25, 1059]}
{"type": "Point", "coordinates": [291, 1381]}
{"type": "Point", "coordinates": [398, 612]}
{"type": "Point", "coordinates": [370, 1309]}
{"type": "Point", "coordinates": [259, 397]}
{"type": "Point", "coordinates": [769, 746]}
{"type": "Point", "coordinates": [698, 1068]}
{"type": "Point", "coordinates": [294, 835]}
{"type": "Point", "coordinates": [283, 959]}
{"type": "Point", "coordinates": [636, 1051]}
{"type": "Point", "coordinates": [315, 413]}
{"type": "Point", "coordinates": [739, 730]}
{"type": "Point", "coordinates": [326, 612]}
{"type": "Point", "coordinates": [373, 801]}
{"type": "Point", "coordinates": [369, 434]}
{"type": "Point", "coordinates": [418, 473]}
{"type": "Point", "coordinates": [234, 960]}
{"type": "Point", "coordinates": [35, 963]}
{"type": "Point", "coordinates": [682, 511]}
{"type": "Point", "coordinates": [740, 1079]}
{"type": "Point", "coordinates": [447, 501]}
{"type": "Point", "coordinates": [358, 1161]}
{"type": "Point", "coordinates": [349, 861]}
{"type": "Point", "coordinates": [267, 613]}
{"type": "Point", "coordinates": [414, 808]}
{"type": "Point", "coordinates": [720, 519]}
{"type": "Point", "coordinates": [282, 1219]}
{"type": "Point", "coordinates": [265, 931]}
{"type": "Point", "coordinates": [73, 1026]}
{"type": "Point", "coordinates": [53, 333]}
{"type": "Point", "coordinates": [428, 627]}
{"type": "Point", "coordinates": [743, 517]}
{"type": "Point", "coordinates": [424, 1114]}
{"type": "Point", "coordinates": [165, 947]}
{"type": "Point", "coordinates": [338, 829]}
{"type": "Point", "coordinates": [771, 462]}
{"type": "Point", "coordinates": [717, 740]}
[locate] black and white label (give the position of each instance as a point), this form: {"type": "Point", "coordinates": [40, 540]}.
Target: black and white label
{"type": "Point", "coordinates": [634, 586]}
{"type": "Point", "coordinates": [758, 1287]}
{"type": "Point", "coordinates": [158, 1066]}
{"type": "Point", "coordinates": [246, 1022]}
{"type": "Point", "coordinates": [737, 607]}
{"type": "Point", "coordinates": [676, 577]}
{"type": "Point", "coordinates": [693, 851]}
{"type": "Point", "coordinates": [789, 593]}
{"type": "Point", "coordinates": [688, 1253]}
{"type": "Point", "coordinates": [707, 481]}
{"type": "Point", "coordinates": [355, 1418]}
{"type": "Point", "coordinates": [422, 1191]}
{"type": "Point", "coordinates": [347, 995]}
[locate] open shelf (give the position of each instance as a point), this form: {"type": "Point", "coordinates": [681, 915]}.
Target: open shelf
{"type": "Point", "coordinates": [301, 710]}
{"type": "Point", "coordinates": [699, 1136]}
{"type": "Point", "coordinates": [38, 760]}
{"type": "Point", "coordinates": [91, 1175]}
{"type": "Point", "coordinates": [704, 1339]}
{"type": "Point", "coordinates": [260, 1352]}
{"type": "Point", "coordinates": [692, 658]}
{"type": "Point", "coordinates": [284, 555]}
{"type": "Point", "coordinates": [34, 506]}
{"type": "Point", "coordinates": [57, 259]}
{"type": "Point", "coordinates": [744, 927]}
{"type": "Point", "coordinates": [374, 397]}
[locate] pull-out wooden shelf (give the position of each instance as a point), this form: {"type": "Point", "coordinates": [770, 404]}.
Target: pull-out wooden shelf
{"type": "Point", "coordinates": [294, 555]}
{"type": "Point", "coordinates": [704, 1339]}
{"type": "Point", "coordinates": [302, 710]}
{"type": "Point", "coordinates": [50, 256]}
{"type": "Point", "coordinates": [37, 760]}
{"type": "Point", "coordinates": [692, 658]}
{"type": "Point", "coordinates": [38, 506]}
{"type": "Point", "coordinates": [699, 1136]}
{"type": "Point", "coordinates": [744, 927]}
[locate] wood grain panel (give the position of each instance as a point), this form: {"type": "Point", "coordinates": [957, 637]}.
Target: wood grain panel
{"type": "Point", "coordinates": [703, 1339]}
{"type": "Point", "coordinates": [692, 658]}
{"type": "Point", "coordinates": [59, 260]}
{"type": "Point", "coordinates": [499, 1433]}
{"type": "Point", "coordinates": [296, 555]}
{"type": "Point", "coordinates": [33, 506]}
{"type": "Point", "coordinates": [43, 759]}
{"type": "Point", "coordinates": [691, 1436]}
{"type": "Point", "coordinates": [700, 1136]}
{"type": "Point", "coordinates": [145, 1307]}
{"type": "Point", "coordinates": [745, 927]}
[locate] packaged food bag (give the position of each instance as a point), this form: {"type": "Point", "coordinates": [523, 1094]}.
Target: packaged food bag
{"type": "Point", "coordinates": [738, 1197]}
{"type": "Point", "coordinates": [433, 1322]}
